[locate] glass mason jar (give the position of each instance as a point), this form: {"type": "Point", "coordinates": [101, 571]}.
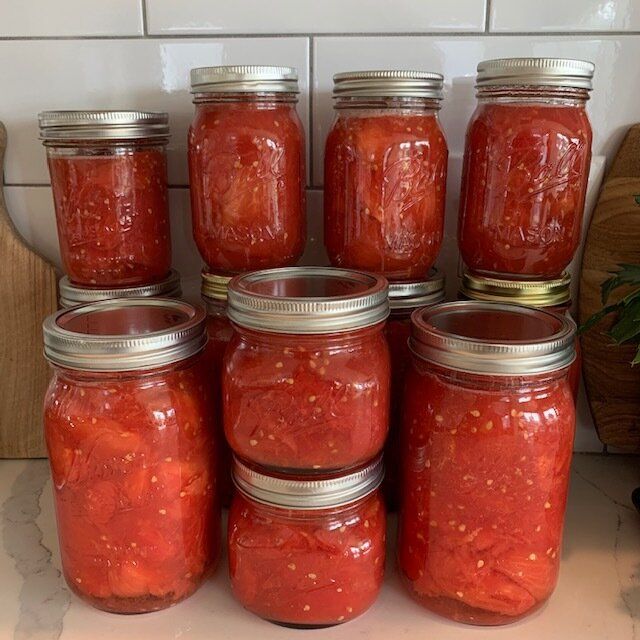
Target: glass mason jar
{"type": "Point", "coordinates": [109, 180]}
{"type": "Point", "coordinates": [247, 168]}
{"type": "Point", "coordinates": [307, 553]}
{"type": "Point", "coordinates": [487, 440]}
{"type": "Point", "coordinates": [385, 173]}
{"type": "Point", "coordinates": [214, 295]}
{"type": "Point", "coordinates": [526, 166]}
{"type": "Point", "coordinates": [552, 295]}
{"type": "Point", "coordinates": [306, 374]}
{"type": "Point", "coordinates": [404, 298]}
{"type": "Point", "coordinates": [130, 436]}
{"type": "Point", "coordinates": [72, 295]}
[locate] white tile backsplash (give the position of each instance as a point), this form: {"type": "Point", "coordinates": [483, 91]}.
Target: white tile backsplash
{"type": "Point", "coordinates": [330, 16]}
{"type": "Point", "coordinates": [120, 74]}
{"type": "Point", "coordinates": [612, 108]}
{"type": "Point", "coordinates": [565, 15]}
{"type": "Point", "coordinates": [71, 54]}
{"type": "Point", "coordinates": [37, 18]}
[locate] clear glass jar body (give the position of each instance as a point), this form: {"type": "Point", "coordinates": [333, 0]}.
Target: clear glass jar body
{"type": "Point", "coordinates": [385, 182]}
{"type": "Point", "coordinates": [133, 463]}
{"type": "Point", "coordinates": [220, 331]}
{"type": "Point", "coordinates": [485, 476]}
{"type": "Point", "coordinates": [307, 402]}
{"type": "Point", "coordinates": [112, 211]}
{"type": "Point", "coordinates": [397, 331]}
{"type": "Point", "coordinates": [524, 181]}
{"type": "Point", "coordinates": [247, 177]}
{"type": "Point", "coordinates": [307, 568]}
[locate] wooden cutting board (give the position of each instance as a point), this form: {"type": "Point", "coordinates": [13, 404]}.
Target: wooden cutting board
{"type": "Point", "coordinates": [612, 385]}
{"type": "Point", "coordinates": [28, 293]}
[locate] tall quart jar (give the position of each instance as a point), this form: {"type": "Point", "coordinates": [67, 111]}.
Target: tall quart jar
{"type": "Point", "coordinates": [385, 173]}
{"type": "Point", "coordinates": [214, 295]}
{"type": "Point", "coordinates": [129, 427]}
{"type": "Point", "coordinates": [553, 295]}
{"type": "Point", "coordinates": [307, 553]}
{"type": "Point", "coordinates": [109, 180]}
{"type": "Point", "coordinates": [526, 166]}
{"type": "Point", "coordinates": [404, 299]}
{"type": "Point", "coordinates": [306, 374]}
{"type": "Point", "coordinates": [487, 440]}
{"type": "Point", "coordinates": [72, 295]}
{"type": "Point", "coordinates": [247, 168]}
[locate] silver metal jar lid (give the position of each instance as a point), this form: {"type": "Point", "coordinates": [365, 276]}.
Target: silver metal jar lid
{"type": "Point", "coordinates": [103, 125]}
{"type": "Point", "coordinates": [486, 338]}
{"type": "Point", "coordinates": [555, 72]}
{"type": "Point", "coordinates": [72, 295]}
{"type": "Point", "coordinates": [124, 334]}
{"type": "Point", "coordinates": [307, 300]}
{"type": "Point", "coordinates": [410, 295]}
{"type": "Point", "coordinates": [332, 490]}
{"type": "Point", "coordinates": [407, 84]}
{"type": "Point", "coordinates": [244, 79]}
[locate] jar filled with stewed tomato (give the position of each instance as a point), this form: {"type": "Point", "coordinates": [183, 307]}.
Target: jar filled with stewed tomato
{"type": "Point", "coordinates": [553, 295]}
{"type": "Point", "coordinates": [526, 165]}
{"type": "Point", "coordinates": [72, 294]}
{"type": "Point", "coordinates": [109, 181]}
{"type": "Point", "coordinates": [214, 295]}
{"type": "Point", "coordinates": [247, 167]}
{"type": "Point", "coordinates": [488, 433]}
{"type": "Point", "coordinates": [129, 427]}
{"type": "Point", "coordinates": [404, 299]}
{"type": "Point", "coordinates": [307, 553]}
{"type": "Point", "coordinates": [306, 374]}
{"type": "Point", "coordinates": [385, 173]}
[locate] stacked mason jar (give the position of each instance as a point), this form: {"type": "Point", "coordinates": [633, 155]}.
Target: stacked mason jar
{"type": "Point", "coordinates": [296, 379]}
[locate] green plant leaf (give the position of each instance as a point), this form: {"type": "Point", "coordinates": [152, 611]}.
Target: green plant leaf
{"type": "Point", "coordinates": [637, 199]}
{"type": "Point", "coordinates": [628, 325]}
{"type": "Point", "coordinates": [596, 317]}
{"type": "Point", "coordinates": [636, 359]}
{"type": "Point", "coordinates": [627, 274]}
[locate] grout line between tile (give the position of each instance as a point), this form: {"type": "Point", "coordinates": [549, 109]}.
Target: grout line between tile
{"type": "Point", "coordinates": [145, 26]}
{"type": "Point", "coordinates": [311, 72]}
{"type": "Point", "coordinates": [407, 34]}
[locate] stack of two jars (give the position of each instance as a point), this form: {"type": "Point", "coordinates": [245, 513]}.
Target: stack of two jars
{"type": "Point", "coordinates": [303, 362]}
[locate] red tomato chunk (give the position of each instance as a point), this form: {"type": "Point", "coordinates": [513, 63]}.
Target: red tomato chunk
{"type": "Point", "coordinates": [307, 402]}
{"type": "Point", "coordinates": [247, 170]}
{"type": "Point", "coordinates": [485, 488]}
{"type": "Point", "coordinates": [523, 188]}
{"type": "Point", "coordinates": [135, 490]}
{"type": "Point", "coordinates": [113, 217]}
{"type": "Point", "coordinates": [307, 568]}
{"type": "Point", "coordinates": [385, 181]}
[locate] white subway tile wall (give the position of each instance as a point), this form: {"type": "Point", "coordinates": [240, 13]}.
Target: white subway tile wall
{"type": "Point", "coordinates": [137, 54]}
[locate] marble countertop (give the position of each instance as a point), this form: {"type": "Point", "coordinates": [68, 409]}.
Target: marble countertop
{"type": "Point", "coordinates": [598, 596]}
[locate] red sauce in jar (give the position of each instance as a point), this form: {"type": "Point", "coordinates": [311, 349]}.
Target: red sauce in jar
{"type": "Point", "coordinates": [524, 182]}
{"type": "Point", "coordinates": [307, 402]}
{"type": "Point", "coordinates": [307, 568]}
{"type": "Point", "coordinates": [385, 181]}
{"type": "Point", "coordinates": [247, 174]}
{"type": "Point", "coordinates": [112, 214]}
{"type": "Point", "coordinates": [487, 461]}
{"type": "Point", "coordinates": [132, 458]}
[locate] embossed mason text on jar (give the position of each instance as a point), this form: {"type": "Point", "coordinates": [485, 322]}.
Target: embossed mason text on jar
{"type": "Point", "coordinates": [109, 181]}
{"type": "Point", "coordinates": [306, 374]}
{"type": "Point", "coordinates": [247, 167]}
{"type": "Point", "coordinates": [385, 173]}
{"type": "Point", "coordinates": [526, 166]}
{"type": "Point", "coordinates": [130, 434]}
